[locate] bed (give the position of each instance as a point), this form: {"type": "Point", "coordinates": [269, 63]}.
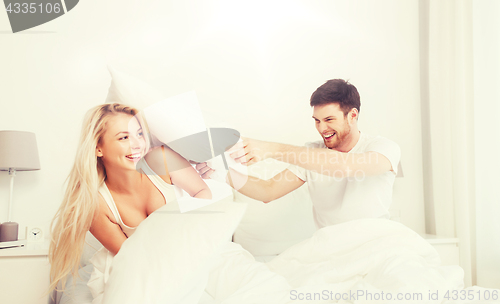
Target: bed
{"type": "Point", "coordinates": [242, 251]}
{"type": "Point", "coordinates": [264, 231]}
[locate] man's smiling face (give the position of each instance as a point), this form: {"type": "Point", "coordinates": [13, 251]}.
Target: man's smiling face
{"type": "Point", "coordinates": [332, 125]}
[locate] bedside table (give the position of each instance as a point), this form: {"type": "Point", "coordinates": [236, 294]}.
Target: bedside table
{"type": "Point", "coordinates": [447, 247]}
{"type": "Point", "coordinates": [24, 273]}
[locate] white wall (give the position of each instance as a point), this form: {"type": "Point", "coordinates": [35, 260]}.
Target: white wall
{"type": "Point", "coordinates": [487, 130]}
{"type": "Point", "coordinates": [252, 65]}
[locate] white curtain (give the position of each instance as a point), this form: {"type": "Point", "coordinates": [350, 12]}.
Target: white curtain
{"type": "Point", "coordinates": [447, 121]}
{"type": "Point", "coordinates": [486, 15]}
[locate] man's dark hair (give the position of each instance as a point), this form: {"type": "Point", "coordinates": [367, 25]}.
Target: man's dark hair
{"type": "Point", "coordinates": [337, 91]}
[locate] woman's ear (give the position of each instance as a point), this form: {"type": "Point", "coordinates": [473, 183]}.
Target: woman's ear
{"type": "Point", "coordinates": [98, 151]}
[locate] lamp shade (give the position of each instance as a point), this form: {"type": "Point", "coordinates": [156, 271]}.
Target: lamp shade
{"type": "Point", "coordinates": [19, 151]}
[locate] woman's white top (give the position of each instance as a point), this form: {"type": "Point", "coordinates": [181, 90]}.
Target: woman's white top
{"type": "Point", "coordinates": [168, 191]}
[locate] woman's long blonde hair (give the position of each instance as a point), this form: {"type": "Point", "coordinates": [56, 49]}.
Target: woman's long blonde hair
{"type": "Point", "coordinates": [81, 201]}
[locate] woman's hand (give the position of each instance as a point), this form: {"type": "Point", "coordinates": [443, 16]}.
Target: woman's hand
{"type": "Point", "coordinates": [203, 169]}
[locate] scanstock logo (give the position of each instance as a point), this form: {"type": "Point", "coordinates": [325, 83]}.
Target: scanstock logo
{"type": "Point", "coordinates": [25, 14]}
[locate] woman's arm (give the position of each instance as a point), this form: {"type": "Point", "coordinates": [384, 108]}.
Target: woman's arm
{"type": "Point", "coordinates": [181, 173]}
{"type": "Point", "coordinates": [106, 231]}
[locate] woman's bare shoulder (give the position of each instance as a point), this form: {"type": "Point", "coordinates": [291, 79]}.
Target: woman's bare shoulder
{"type": "Point", "coordinates": [103, 211]}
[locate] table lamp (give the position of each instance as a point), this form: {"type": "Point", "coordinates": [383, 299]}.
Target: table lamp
{"type": "Point", "coordinates": [18, 152]}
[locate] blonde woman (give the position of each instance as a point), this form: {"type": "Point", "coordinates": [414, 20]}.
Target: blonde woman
{"type": "Point", "coordinates": [106, 194]}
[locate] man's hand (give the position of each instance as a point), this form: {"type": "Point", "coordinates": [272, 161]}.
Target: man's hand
{"type": "Point", "coordinates": [250, 151]}
{"type": "Point", "coordinates": [203, 169]}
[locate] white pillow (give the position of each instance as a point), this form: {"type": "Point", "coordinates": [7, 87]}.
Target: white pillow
{"type": "Point", "coordinates": [174, 120]}
{"type": "Point", "coordinates": [131, 91]}
{"type": "Point", "coordinates": [221, 191]}
{"type": "Point", "coordinates": [168, 258]}
{"type": "Point", "coordinates": [269, 229]}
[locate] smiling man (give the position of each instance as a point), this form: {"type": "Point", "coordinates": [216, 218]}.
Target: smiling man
{"type": "Point", "coordinates": [350, 174]}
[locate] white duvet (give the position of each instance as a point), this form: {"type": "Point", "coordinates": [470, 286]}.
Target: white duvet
{"type": "Point", "coordinates": [188, 258]}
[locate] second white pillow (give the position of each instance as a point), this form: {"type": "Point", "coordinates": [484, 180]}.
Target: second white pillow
{"type": "Point", "coordinates": [168, 258]}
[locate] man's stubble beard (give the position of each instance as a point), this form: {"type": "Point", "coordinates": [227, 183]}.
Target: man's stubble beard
{"type": "Point", "coordinates": [341, 137]}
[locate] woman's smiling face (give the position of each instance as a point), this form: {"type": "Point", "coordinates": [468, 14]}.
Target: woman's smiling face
{"type": "Point", "coordinates": [123, 143]}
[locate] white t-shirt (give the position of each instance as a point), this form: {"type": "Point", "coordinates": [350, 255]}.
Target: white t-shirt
{"type": "Point", "coordinates": [337, 200]}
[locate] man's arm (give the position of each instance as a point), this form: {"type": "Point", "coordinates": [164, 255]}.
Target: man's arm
{"type": "Point", "coordinates": [324, 161]}
{"type": "Point", "coordinates": [264, 190]}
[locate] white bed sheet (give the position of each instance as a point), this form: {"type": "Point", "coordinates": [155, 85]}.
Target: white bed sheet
{"type": "Point", "coordinates": [77, 291]}
{"type": "Point", "coordinates": [369, 255]}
